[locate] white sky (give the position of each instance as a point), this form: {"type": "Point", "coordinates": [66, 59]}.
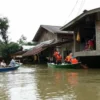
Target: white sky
{"type": "Point", "coordinates": [25, 16]}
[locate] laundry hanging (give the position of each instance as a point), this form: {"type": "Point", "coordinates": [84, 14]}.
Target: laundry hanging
{"type": "Point", "coordinates": [78, 37]}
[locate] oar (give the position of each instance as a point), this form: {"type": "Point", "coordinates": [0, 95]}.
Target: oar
{"type": "Point", "coordinates": [84, 66]}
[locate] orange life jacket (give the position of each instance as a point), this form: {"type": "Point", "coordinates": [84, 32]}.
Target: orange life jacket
{"type": "Point", "coordinates": [59, 58]}
{"type": "Point", "coordinates": [68, 58]}
{"type": "Point", "coordinates": [74, 61]}
{"type": "Point", "coordinates": [55, 54]}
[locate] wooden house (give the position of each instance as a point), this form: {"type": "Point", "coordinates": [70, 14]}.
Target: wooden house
{"type": "Point", "coordinates": [86, 27]}
{"type": "Point", "coordinates": [50, 37]}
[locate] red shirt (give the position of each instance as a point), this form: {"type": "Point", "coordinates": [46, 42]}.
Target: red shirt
{"type": "Point", "coordinates": [90, 42]}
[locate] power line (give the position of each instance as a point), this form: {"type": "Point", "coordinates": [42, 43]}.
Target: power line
{"type": "Point", "coordinates": [73, 9]}
{"type": "Point", "coordinates": [81, 6]}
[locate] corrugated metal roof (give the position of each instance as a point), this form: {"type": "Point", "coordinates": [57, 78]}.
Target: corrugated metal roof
{"type": "Point", "coordinates": [55, 29]}
{"type": "Point", "coordinates": [43, 45]}
{"type": "Point", "coordinates": [38, 48]}
{"type": "Point", "coordinates": [33, 51]}
{"type": "Point", "coordinates": [52, 29]}
{"type": "Point", "coordinates": [19, 53]}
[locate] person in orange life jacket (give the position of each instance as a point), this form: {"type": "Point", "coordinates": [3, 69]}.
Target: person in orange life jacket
{"type": "Point", "coordinates": [74, 60]}
{"type": "Point", "coordinates": [68, 58]}
{"type": "Point", "coordinates": [55, 55]}
{"type": "Point", "coordinates": [58, 58]}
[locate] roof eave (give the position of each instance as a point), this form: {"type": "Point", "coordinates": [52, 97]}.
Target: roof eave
{"type": "Point", "coordinates": [79, 17]}
{"type": "Point", "coordinates": [41, 26]}
{"type": "Point", "coordinates": [73, 21]}
{"type": "Point", "coordinates": [65, 32]}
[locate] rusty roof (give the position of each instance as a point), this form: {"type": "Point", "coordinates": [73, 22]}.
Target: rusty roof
{"type": "Point", "coordinates": [38, 48]}
{"type": "Point", "coordinates": [44, 45]}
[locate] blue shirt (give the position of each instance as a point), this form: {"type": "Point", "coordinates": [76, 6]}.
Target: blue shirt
{"type": "Point", "coordinates": [12, 63]}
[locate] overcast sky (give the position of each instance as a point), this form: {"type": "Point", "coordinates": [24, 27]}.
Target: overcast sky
{"type": "Point", "coordinates": [25, 16]}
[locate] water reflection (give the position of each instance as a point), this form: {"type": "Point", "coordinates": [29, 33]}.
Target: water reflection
{"type": "Point", "coordinates": [72, 78]}
{"type": "Point", "coordinates": [55, 84]}
{"type": "Point", "coordinates": [43, 83]}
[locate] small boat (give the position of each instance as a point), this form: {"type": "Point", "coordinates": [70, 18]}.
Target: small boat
{"type": "Point", "coordinates": [9, 68]}
{"type": "Point", "coordinates": [64, 65]}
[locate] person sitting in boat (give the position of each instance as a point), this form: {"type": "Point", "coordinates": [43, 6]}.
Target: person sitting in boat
{"type": "Point", "coordinates": [55, 55]}
{"type": "Point", "coordinates": [68, 58]}
{"type": "Point", "coordinates": [3, 64]}
{"type": "Point", "coordinates": [58, 58]}
{"type": "Point", "coordinates": [74, 60]}
{"type": "Point", "coordinates": [12, 62]}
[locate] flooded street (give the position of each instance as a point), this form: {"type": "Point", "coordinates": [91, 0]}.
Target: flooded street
{"type": "Point", "coordinates": [37, 82]}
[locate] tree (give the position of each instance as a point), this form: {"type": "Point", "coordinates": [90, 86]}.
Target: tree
{"type": "Point", "coordinates": [9, 49]}
{"type": "Point", "coordinates": [31, 43]}
{"type": "Point", "coordinates": [3, 29]}
{"type": "Point", "coordinates": [6, 47]}
{"type": "Point", "coordinates": [22, 40]}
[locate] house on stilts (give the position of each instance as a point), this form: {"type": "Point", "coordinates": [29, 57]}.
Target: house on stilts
{"type": "Point", "coordinates": [86, 27]}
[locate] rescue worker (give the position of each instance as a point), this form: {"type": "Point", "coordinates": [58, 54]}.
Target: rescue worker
{"type": "Point", "coordinates": [55, 55]}
{"type": "Point", "coordinates": [68, 58]}
{"type": "Point", "coordinates": [74, 60]}
{"type": "Point", "coordinates": [58, 58]}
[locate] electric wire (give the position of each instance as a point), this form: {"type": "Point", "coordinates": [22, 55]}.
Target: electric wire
{"type": "Point", "coordinates": [81, 6]}
{"type": "Point", "coordinates": [73, 9]}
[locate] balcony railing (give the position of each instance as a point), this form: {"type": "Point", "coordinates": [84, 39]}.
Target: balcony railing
{"type": "Point", "coordinates": [87, 53]}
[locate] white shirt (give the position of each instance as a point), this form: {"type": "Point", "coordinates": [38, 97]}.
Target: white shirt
{"type": "Point", "coordinates": [3, 64]}
{"type": "Point", "coordinates": [12, 63]}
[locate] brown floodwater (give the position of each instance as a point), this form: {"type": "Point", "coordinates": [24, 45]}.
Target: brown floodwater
{"type": "Point", "coordinates": [38, 82]}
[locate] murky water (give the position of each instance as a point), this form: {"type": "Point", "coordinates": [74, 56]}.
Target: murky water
{"type": "Point", "coordinates": [42, 83]}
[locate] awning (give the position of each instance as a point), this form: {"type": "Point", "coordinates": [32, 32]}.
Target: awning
{"type": "Point", "coordinates": [44, 45]}
{"type": "Point", "coordinates": [33, 51]}
{"type": "Point", "coordinates": [38, 48]}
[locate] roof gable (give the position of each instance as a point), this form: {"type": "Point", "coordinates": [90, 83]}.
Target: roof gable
{"type": "Point", "coordinates": [51, 29]}
{"type": "Point", "coordinates": [85, 13]}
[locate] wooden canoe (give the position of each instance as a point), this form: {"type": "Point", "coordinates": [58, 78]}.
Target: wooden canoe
{"type": "Point", "coordinates": [64, 65]}
{"type": "Point", "coordinates": [9, 68]}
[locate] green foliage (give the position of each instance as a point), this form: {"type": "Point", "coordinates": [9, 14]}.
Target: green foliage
{"type": "Point", "coordinates": [9, 49]}
{"type": "Point", "coordinates": [31, 43]}
{"type": "Point", "coordinates": [3, 29]}
{"type": "Point", "coordinates": [6, 48]}
{"type": "Point", "coordinates": [13, 47]}
{"type": "Point", "coordinates": [22, 40]}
